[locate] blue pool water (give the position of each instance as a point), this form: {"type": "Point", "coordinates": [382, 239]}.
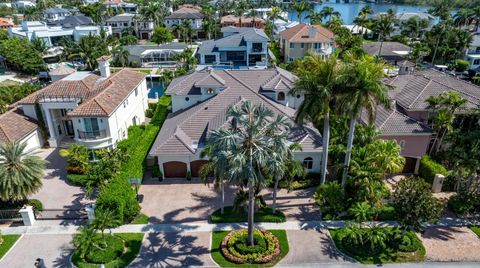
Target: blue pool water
{"type": "Point", "coordinates": [155, 88]}
{"type": "Point", "coordinates": [225, 67]}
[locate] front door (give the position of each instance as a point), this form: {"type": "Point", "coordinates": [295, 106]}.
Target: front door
{"type": "Point", "coordinates": [69, 128]}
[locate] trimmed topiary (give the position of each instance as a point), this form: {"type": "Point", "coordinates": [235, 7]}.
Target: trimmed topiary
{"type": "Point", "coordinates": [428, 169]}
{"type": "Point", "coordinates": [235, 247]}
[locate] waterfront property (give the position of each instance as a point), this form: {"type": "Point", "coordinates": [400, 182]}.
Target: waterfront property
{"type": "Point", "coordinates": [154, 55]}
{"type": "Point", "coordinates": [296, 41]}
{"type": "Point", "coordinates": [473, 52]}
{"type": "Point", "coordinates": [239, 47]}
{"type": "Point", "coordinates": [199, 103]}
{"type": "Point", "coordinates": [394, 53]}
{"type": "Point", "coordinates": [231, 20]}
{"type": "Point", "coordinates": [55, 14]}
{"type": "Point", "coordinates": [190, 13]}
{"type": "Point", "coordinates": [90, 109]}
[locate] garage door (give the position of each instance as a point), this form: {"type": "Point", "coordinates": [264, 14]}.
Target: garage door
{"type": "Point", "coordinates": [175, 169]}
{"type": "Point", "coordinates": [195, 166]}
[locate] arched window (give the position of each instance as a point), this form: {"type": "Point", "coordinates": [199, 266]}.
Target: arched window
{"type": "Point", "coordinates": [281, 96]}
{"type": "Point", "coordinates": [308, 163]}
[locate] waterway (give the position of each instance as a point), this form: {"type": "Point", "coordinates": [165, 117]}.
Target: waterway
{"type": "Point", "coordinates": [350, 10]}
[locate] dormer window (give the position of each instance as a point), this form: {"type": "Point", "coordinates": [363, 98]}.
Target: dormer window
{"type": "Point", "coordinates": [281, 96]}
{"type": "Point", "coordinates": [210, 91]}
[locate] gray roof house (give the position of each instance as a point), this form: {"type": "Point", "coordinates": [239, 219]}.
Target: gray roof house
{"type": "Point", "coordinates": [240, 47]}
{"type": "Point", "coordinates": [52, 15]}
{"type": "Point", "coordinates": [391, 51]}
{"type": "Point", "coordinates": [74, 21]}
{"type": "Point", "coordinates": [153, 55]}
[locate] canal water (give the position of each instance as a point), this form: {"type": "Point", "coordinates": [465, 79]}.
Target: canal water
{"type": "Point", "coordinates": [350, 11]}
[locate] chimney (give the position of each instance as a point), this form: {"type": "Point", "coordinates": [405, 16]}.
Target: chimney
{"type": "Point", "coordinates": [312, 31]}
{"type": "Point", "coordinates": [104, 65]}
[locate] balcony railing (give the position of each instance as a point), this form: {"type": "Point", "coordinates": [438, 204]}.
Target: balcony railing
{"type": "Point", "coordinates": [58, 98]}
{"type": "Point", "coordinates": [92, 135]}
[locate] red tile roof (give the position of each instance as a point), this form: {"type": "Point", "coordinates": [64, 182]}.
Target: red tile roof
{"type": "Point", "coordinates": [299, 33]}
{"type": "Point", "coordinates": [15, 126]}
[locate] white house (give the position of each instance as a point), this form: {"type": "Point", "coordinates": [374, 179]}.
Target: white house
{"type": "Point", "coordinates": [190, 13]}
{"type": "Point", "coordinates": [90, 109]}
{"type": "Point", "coordinates": [52, 35]}
{"type": "Point", "coordinates": [24, 4]}
{"type": "Point", "coordinates": [123, 23]}
{"type": "Point", "coordinates": [15, 126]}
{"type": "Point", "coordinates": [199, 104]}
{"type": "Point", "coordinates": [52, 15]}
{"type": "Point", "coordinates": [473, 52]}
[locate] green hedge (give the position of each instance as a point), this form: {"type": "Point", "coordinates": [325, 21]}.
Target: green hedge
{"type": "Point", "coordinates": [428, 169]}
{"type": "Point", "coordinates": [161, 111]}
{"type": "Point", "coordinates": [77, 179]}
{"type": "Point", "coordinates": [261, 215]}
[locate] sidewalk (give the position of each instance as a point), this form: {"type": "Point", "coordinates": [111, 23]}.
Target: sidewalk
{"type": "Point", "coordinates": [209, 227]}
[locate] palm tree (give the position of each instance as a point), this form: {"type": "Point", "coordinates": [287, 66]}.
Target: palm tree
{"type": "Point", "coordinates": [463, 41]}
{"type": "Point", "coordinates": [366, 10]}
{"type": "Point", "coordinates": [414, 27]}
{"type": "Point", "coordinates": [300, 8]}
{"type": "Point", "coordinates": [32, 14]}
{"type": "Point", "coordinates": [329, 12]}
{"type": "Point", "coordinates": [442, 9]}
{"type": "Point", "coordinates": [185, 31]}
{"type": "Point", "coordinates": [474, 16]}
{"type": "Point", "coordinates": [335, 24]}
{"type": "Point", "coordinates": [419, 50]}
{"type": "Point", "coordinates": [77, 156]}
{"type": "Point", "coordinates": [103, 219]}
{"type": "Point", "coordinates": [274, 14]}
{"type": "Point", "coordinates": [318, 81]}
{"type": "Point", "coordinates": [462, 17]}
{"type": "Point", "coordinates": [84, 240]}
{"type": "Point", "coordinates": [249, 143]}
{"type": "Point", "coordinates": [384, 27]}
{"type": "Point", "coordinates": [365, 92]}
{"type": "Point", "coordinates": [209, 22]}
{"type": "Point", "coordinates": [240, 8]}
{"type": "Point", "coordinates": [361, 21]}
{"type": "Point", "coordinates": [120, 56]}
{"type": "Point", "coordinates": [89, 48]}
{"type": "Point", "coordinates": [20, 172]}
{"type": "Point", "coordinates": [386, 156]}
{"type": "Point", "coordinates": [315, 17]}
{"type": "Point", "coordinates": [152, 11]}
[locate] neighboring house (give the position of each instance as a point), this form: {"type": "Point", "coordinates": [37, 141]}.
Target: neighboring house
{"type": "Point", "coordinates": [126, 23]}
{"type": "Point", "coordinates": [118, 6]}
{"type": "Point", "coordinates": [296, 41]}
{"type": "Point", "coordinates": [358, 30]}
{"type": "Point", "coordinates": [394, 53]}
{"type": "Point", "coordinates": [239, 47]}
{"type": "Point", "coordinates": [412, 136]}
{"type": "Point", "coordinates": [24, 4]}
{"type": "Point", "coordinates": [154, 55]}
{"type": "Point", "coordinates": [472, 54]}
{"type": "Point", "coordinates": [74, 21]}
{"type": "Point", "coordinates": [6, 23]}
{"type": "Point", "coordinates": [52, 15]}
{"type": "Point", "coordinates": [190, 13]}
{"type": "Point", "coordinates": [204, 98]}
{"type": "Point", "coordinates": [15, 126]}
{"type": "Point", "coordinates": [231, 20]}
{"type": "Point", "coordinates": [52, 35]}
{"type": "Point", "coordinates": [401, 18]}
{"type": "Point", "coordinates": [93, 110]}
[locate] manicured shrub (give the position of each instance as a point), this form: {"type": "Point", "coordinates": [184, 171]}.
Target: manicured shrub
{"type": "Point", "coordinates": [161, 111]}
{"type": "Point", "coordinates": [463, 204]}
{"type": "Point", "coordinates": [461, 65]}
{"type": "Point", "coordinates": [386, 213]}
{"type": "Point", "coordinates": [36, 204]}
{"type": "Point", "coordinates": [156, 173]}
{"type": "Point", "coordinates": [105, 253]}
{"type": "Point", "coordinates": [149, 113]}
{"type": "Point", "coordinates": [428, 169]}
{"type": "Point", "coordinates": [330, 197]}
{"type": "Point", "coordinates": [77, 179]}
{"type": "Point", "coordinates": [119, 197]}
{"type": "Point", "coordinates": [236, 249]}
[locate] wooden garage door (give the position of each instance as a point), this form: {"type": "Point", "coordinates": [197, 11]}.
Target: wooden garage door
{"type": "Point", "coordinates": [175, 169]}
{"type": "Point", "coordinates": [195, 167]}
{"type": "Point", "coordinates": [409, 165]}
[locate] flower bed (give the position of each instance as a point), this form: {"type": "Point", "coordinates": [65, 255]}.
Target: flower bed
{"type": "Point", "coordinates": [235, 247]}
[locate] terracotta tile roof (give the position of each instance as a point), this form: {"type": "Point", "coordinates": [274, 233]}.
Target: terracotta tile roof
{"type": "Point", "coordinates": [299, 33]}
{"type": "Point", "coordinates": [112, 93]}
{"type": "Point", "coordinates": [15, 126]}
{"type": "Point", "coordinates": [186, 129]}
{"type": "Point", "coordinates": [98, 96]}
{"type": "Point", "coordinates": [104, 58]}
{"type": "Point", "coordinates": [186, 12]}
{"type": "Point", "coordinates": [234, 19]}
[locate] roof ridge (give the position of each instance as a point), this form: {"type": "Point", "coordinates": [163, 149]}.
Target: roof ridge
{"type": "Point", "coordinates": [420, 93]}
{"type": "Point", "coordinates": [390, 115]}
{"type": "Point", "coordinates": [455, 89]}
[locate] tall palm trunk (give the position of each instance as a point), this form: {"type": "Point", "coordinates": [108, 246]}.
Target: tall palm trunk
{"type": "Point", "coordinates": [223, 197]}
{"type": "Point", "coordinates": [275, 190]}
{"type": "Point", "coordinates": [348, 153]}
{"type": "Point", "coordinates": [326, 139]}
{"type": "Point", "coordinates": [251, 211]}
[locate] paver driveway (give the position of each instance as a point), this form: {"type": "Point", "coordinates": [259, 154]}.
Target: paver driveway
{"type": "Point", "coordinates": [179, 200]}
{"type": "Point", "coordinates": [56, 192]}
{"type": "Point", "coordinates": [54, 249]}
{"type": "Point", "coordinates": [175, 250]}
{"type": "Point", "coordinates": [312, 247]}
{"type": "Point", "coordinates": [451, 244]}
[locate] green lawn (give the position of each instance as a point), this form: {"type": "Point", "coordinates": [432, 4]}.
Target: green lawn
{"type": "Point", "coordinates": [8, 242]}
{"type": "Point", "coordinates": [262, 215]}
{"type": "Point", "coordinates": [140, 219]}
{"type": "Point", "coordinates": [476, 230]}
{"type": "Point", "coordinates": [217, 256]}
{"type": "Point", "coordinates": [133, 242]}
{"type": "Point", "coordinates": [387, 255]}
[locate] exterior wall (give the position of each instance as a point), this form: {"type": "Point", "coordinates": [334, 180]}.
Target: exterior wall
{"type": "Point", "coordinates": [316, 156]}
{"type": "Point", "coordinates": [290, 101]}
{"type": "Point", "coordinates": [196, 23]}
{"type": "Point", "coordinates": [180, 102]}
{"type": "Point", "coordinates": [297, 51]}
{"type": "Point", "coordinates": [413, 145]}
{"type": "Point", "coordinates": [29, 110]}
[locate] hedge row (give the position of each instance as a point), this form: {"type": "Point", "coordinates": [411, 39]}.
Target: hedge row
{"type": "Point", "coordinates": [428, 169]}
{"type": "Point", "coordinates": [161, 111]}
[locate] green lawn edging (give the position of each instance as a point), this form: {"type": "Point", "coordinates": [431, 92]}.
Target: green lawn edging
{"type": "Point", "coordinates": [262, 215]}
{"type": "Point", "coordinates": [8, 242]}
{"type": "Point", "coordinates": [476, 230]}
{"type": "Point", "coordinates": [133, 242]}
{"type": "Point", "coordinates": [388, 255]}
{"type": "Point", "coordinates": [216, 252]}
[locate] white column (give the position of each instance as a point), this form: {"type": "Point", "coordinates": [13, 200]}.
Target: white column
{"type": "Point", "coordinates": [27, 215]}
{"type": "Point", "coordinates": [51, 128]}
{"type": "Point", "coordinates": [417, 166]}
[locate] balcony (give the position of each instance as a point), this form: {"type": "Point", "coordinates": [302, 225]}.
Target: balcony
{"type": "Point", "coordinates": [58, 98]}
{"type": "Point", "coordinates": [92, 135]}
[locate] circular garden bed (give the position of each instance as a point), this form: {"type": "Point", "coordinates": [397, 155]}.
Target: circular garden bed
{"type": "Point", "coordinates": [267, 248]}
{"type": "Point", "coordinates": [115, 251]}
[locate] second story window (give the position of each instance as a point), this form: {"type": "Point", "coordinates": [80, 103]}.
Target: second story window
{"type": "Point", "coordinates": [281, 96]}
{"type": "Point", "coordinates": [136, 91]}
{"type": "Point", "coordinates": [210, 91]}
{"type": "Point", "coordinates": [292, 45]}
{"type": "Point", "coordinates": [302, 45]}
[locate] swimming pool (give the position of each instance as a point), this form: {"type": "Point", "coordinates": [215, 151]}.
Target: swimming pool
{"type": "Point", "coordinates": [225, 67]}
{"type": "Point", "coordinates": [155, 87]}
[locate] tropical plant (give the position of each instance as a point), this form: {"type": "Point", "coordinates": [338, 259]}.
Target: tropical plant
{"type": "Point", "coordinates": [120, 56]}
{"type": "Point", "coordinates": [249, 142]}
{"type": "Point", "coordinates": [186, 59]}
{"type": "Point", "coordinates": [315, 17]}
{"type": "Point", "coordinates": [419, 50]}
{"type": "Point", "coordinates": [128, 40]}
{"type": "Point", "coordinates": [383, 26]}
{"type": "Point", "coordinates": [89, 48]}
{"type": "Point", "coordinates": [361, 211]}
{"type": "Point", "coordinates": [319, 82]}
{"type": "Point", "coordinates": [77, 158]}
{"type": "Point", "coordinates": [185, 31]}
{"type": "Point", "coordinates": [414, 203]}
{"type": "Point", "coordinates": [387, 155]}
{"type": "Point", "coordinates": [329, 12]}
{"type": "Point", "coordinates": [153, 11]}
{"type": "Point", "coordinates": [21, 172]}
{"type": "Point", "coordinates": [300, 8]}
{"type": "Point", "coordinates": [414, 27]}
{"type": "Point", "coordinates": [84, 240]}
{"type": "Point", "coordinates": [103, 220]}
{"type": "Point", "coordinates": [330, 197]}
{"type": "Point", "coordinates": [442, 9]}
